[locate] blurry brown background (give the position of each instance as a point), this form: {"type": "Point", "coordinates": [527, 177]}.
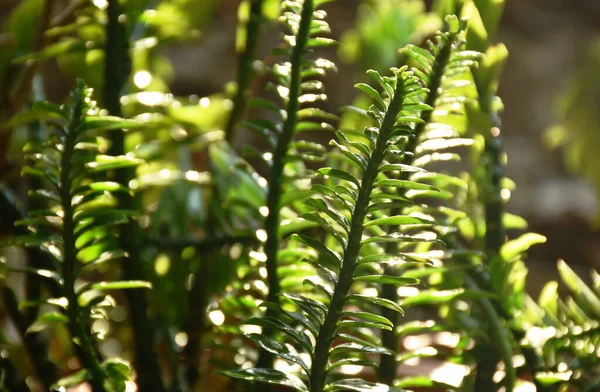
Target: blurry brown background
{"type": "Point", "coordinates": [546, 40]}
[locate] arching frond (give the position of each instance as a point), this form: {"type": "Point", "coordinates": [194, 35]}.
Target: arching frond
{"type": "Point", "coordinates": [336, 323]}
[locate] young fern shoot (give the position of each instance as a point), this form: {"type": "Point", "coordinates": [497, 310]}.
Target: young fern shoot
{"type": "Point", "coordinates": [345, 212]}
{"type": "Point", "coordinates": [76, 228]}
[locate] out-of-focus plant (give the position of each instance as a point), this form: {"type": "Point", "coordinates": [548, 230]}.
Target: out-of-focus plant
{"type": "Point", "coordinates": [575, 132]}
{"type": "Point", "coordinates": [76, 228]}
{"type": "Point", "coordinates": [443, 69]}
{"type": "Point", "coordinates": [565, 332]}
{"type": "Point", "coordinates": [384, 26]}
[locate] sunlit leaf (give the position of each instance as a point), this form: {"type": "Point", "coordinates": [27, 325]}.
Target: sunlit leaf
{"type": "Point", "coordinates": [47, 320]}
{"type": "Point", "coordinates": [71, 380]}
{"type": "Point", "coordinates": [269, 376]}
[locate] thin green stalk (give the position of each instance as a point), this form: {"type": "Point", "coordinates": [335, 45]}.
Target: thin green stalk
{"type": "Point", "coordinates": [351, 252]}
{"type": "Point", "coordinates": [502, 344]}
{"type": "Point", "coordinates": [491, 160]}
{"type": "Point", "coordinates": [76, 323]}
{"type": "Point", "coordinates": [117, 65]}
{"type": "Point", "coordinates": [116, 72]}
{"type": "Point", "coordinates": [272, 221]}
{"type": "Point", "coordinates": [491, 184]}
{"type": "Point", "coordinates": [33, 282]}
{"type": "Point", "coordinates": [197, 324]}
{"type": "Point", "coordinates": [387, 364]}
{"type": "Point", "coordinates": [479, 280]}
{"type": "Point", "coordinates": [494, 205]}
{"type": "Point", "coordinates": [245, 70]}
{"type": "Point", "coordinates": [532, 360]}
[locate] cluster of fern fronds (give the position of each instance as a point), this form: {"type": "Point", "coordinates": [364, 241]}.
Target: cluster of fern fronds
{"type": "Point", "coordinates": [291, 263]}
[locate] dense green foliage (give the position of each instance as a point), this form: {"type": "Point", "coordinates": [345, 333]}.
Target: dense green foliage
{"type": "Point", "coordinates": [316, 277]}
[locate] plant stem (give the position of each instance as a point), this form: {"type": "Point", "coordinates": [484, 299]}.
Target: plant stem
{"type": "Point", "coordinates": [117, 65]}
{"type": "Point", "coordinates": [245, 70]}
{"type": "Point", "coordinates": [196, 323]}
{"type": "Point", "coordinates": [76, 322]}
{"type": "Point", "coordinates": [272, 221]}
{"type": "Point", "coordinates": [33, 282]}
{"type": "Point", "coordinates": [352, 250]}
{"type": "Point", "coordinates": [116, 72]}
{"type": "Point", "coordinates": [494, 205]}
{"type": "Point", "coordinates": [532, 360]}
{"type": "Point", "coordinates": [387, 364]}
{"type": "Point", "coordinates": [502, 347]}
{"type": "Point", "coordinates": [491, 183]}
{"type": "Point", "coordinates": [197, 320]}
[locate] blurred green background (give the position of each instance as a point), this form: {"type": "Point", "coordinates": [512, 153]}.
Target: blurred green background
{"type": "Point", "coordinates": [550, 89]}
{"type": "Point", "coordinates": [554, 56]}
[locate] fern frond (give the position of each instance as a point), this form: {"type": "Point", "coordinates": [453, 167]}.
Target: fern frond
{"type": "Point", "coordinates": [76, 226]}
{"type": "Point", "coordinates": [566, 330]}
{"type": "Point", "coordinates": [334, 319]}
{"type": "Point", "coordinates": [394, 124]}
{"type": "Point", "coordinates": [299, 87]}
{"type": "Point", "coordinates": [444, 67]}
{"type": "Point", "coordinates": [296, 79]}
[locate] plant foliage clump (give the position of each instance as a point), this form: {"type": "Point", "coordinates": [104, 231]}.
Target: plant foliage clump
{"type": "Point", "coordinates": [291, 263]}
